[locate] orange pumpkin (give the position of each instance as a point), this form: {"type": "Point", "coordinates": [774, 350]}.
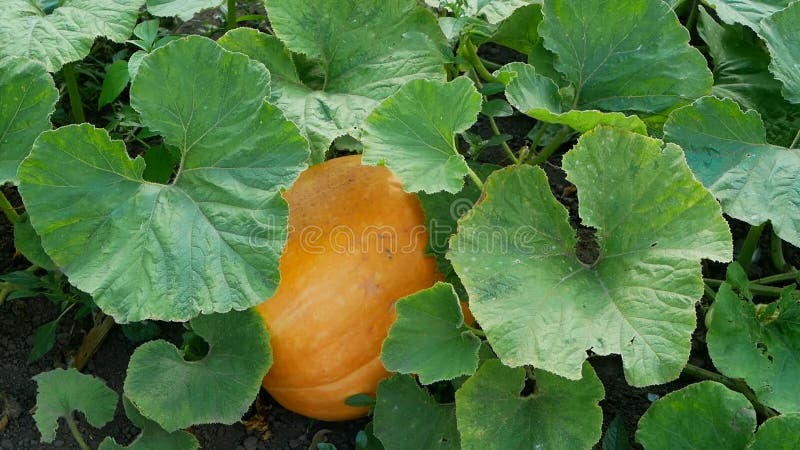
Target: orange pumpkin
{"type": "Point", "coordinates": [356, 245]}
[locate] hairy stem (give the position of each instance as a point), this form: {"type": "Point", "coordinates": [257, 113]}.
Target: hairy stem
{"type": "Point", "coordinates": [551, 147]}
{"type": "Point", "coordinates": [734, 384]}
{"type": "Point", "coordinates": [476, 331]}
{"type": "Point", "coordinates": [691, 22]}
{"type": "Point", "coordinates": [796, 140]}
{"type": "Point", "coordinates": [471, 55]}
{"type": "Point", "coordinates": [73, 427]}
{"type": "Point", "coordinates": [504, 144]}
{"type": "Point", "coordinates": [749, 246]}
{"type": "Point", "coordinates": [758, 289]}
{"type": "Point", "coordinates": [788, 276]}
{"type": "Point", "coordinates": [8, 210]}
{"type": "Point", "coordinates": [475, 178]}
{"type": "Point", "coordinates": [776, 252]}
{"type": "Point", "coordinates": [75, 101]}
{"type": "Point", "coordinates": [231, 14]}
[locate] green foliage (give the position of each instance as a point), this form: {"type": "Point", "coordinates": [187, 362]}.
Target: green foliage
{"type": "Point", "coordinates": [67, 33]}
{"type": "Point", "coordinates": [414, 131]}
{"type": "Point", "coordinates": [407, 418]}
{"type": "Point", "coordinates": [540, 304]}
{"type": "Point", "coordinates": [207, 242]}
{"type": "Point", "coordinates": [430, 338]}
{"type": "Point", "coordinates": [60, 392]}
{"type": "Point", "coordinates": [672, 421]}
{"type": "Point", "coordinates": [781, 33]}
{"type": "Point", "coordinates": [176, 393]}
{"type": "Point", "coordinates": [560, 414]}
{"type": "Point", "coordinates": [759, 343]}
{"type": "Point", "coordinates": [152, 436]}
{"type": "Point", "coordinates": [728, 151]}
{"type": "Point", "coordinates": [27, 99]}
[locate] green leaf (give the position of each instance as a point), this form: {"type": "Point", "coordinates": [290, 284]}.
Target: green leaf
{"type": "Point", "coordinates": [160, 163]}
{"type": "Point", "coordinates": [519, 30]}
{"type": "Point", "coordinates": [331, 73]}
{"type": "Point", "coordinates": [152, 435]}
{"type": "Point", "coordinates": [114, 83]}
{"type": "Point", "coordinates": [429, 337]}
{"type": "Point", "coordinates": [616, 436]}
{"type": "Point", "coordinates": [147, 31]}
{"type": "Point", "coordinates": [414, 132]}
{"type": "Point", "coordinates": [68, 33]}
{"type": "Point", "coordinates": [43, 340]}
{"type": "Point", "coordinates": [219, 388]}
{"type": "Point", "coordinates": [539, 304]}
{"type": "Point", "coordinates": [27, 242]}
{"type": "Point", "coordinates": [60, 392]}
{"type": "Point", "coordinates": [408, 418]}
{"type": "Point", "coordinates": [778, 433]}
{"type": "Point", "coordinates": [538, 96]}
{"type": "Point", "coordinates": [728, 152]}
{"type": "Point", "coordinates": [741, 73]}
{"type": "Point", "coordinates": [182, 9]}
{"type": "Point", "coordinates": [782, 33]}
{"type": "Point", "coordinates": [672, 422]}
{"type": "Point", "coordinates": [624, 55]}
{"type": "Point", "coordinates": [207, 242]}
{"type": "Point", "coordinates": [762, 348]}
{"type": "Point", "coordinates": [28, 97]}
{"type": "Point", "coordinates": [560, 414]}
{"type": "Point", "coordinates": [137, 332]}
{"type": "Point", "coordinates": [442, 210]}
{"type": "Point", "coordinates": [494, 10]}
{"type": "Point", "coordinates": [746, 12]}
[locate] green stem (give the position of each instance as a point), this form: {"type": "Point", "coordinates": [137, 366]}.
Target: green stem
{"type": "Point", "coordinates": [475, 178]}
{"type": "Point", "coordinates": [709, 292]}
{"type": "Point", "coordinates": [503, 144]}
{"type": "Point", "coordinates": [74, 94]}
{"type": "Point", "coordinates": [231, 14]}
{"type": "Point", "coordinates": [73, 427]}
{"type": "Point", "coordinates": [796, 139]}
{"type": "Point", "coordinates": [734, 384]}
{"type": "Point", "coordinates": [749, 246]}
{"type": "Point", "coordinates": [476, 331]}
{"type": "Point", "coordinates": [8, 210]}
{"type": "Point", "coordinates": [551, 147]}
{"type": "Point", "coordinates": [776, 252]}
{"type": "Point", "coordinates": [4, 293]}
{"type": "Point", "coordinates": [758, 289]}
{"type": "Point", "coordinates": [692, 20]}
{"type": "Point", "coordinates": [788, 276]}
{"type": "Point", "coordinates": [490, 64]}
{"type": "Point", "coordinates": [471, 55]}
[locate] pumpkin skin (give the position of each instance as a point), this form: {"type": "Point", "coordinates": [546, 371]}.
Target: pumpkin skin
{"type": "Point", "coordinates": [356, 245]}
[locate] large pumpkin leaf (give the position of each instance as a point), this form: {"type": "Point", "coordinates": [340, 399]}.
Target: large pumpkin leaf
{"type": "Point", "coordinates": [741, 73]}
{"type": "Point", "coordinates": [333, 72]}
{"type": "Point", "coordinates": [782, 34]}
{"type": "Point", "coordinates": [216, 389]}
{"type": "Point", "coordinates": [414, 131]}
{"type": "Point", "coordinates": [759, 343]}
{"type": "Point", "coordinates": [28, 97]}
{"type": "Point", "coordinates": [538, 96]}
{"type": "Point", "coordinates": [207, 242]}
{"type": "Point", "coordinates": [429, 337]}
{"type": "Point", "coordinates": [624, 55]}
{"type": "Point", "coordinates": [539, 304]}
{"type": "Point", "coordinates": [671, 423]}
{"type": "Point", "coordinates": [67, 34]}
{"type": "Point", "coordinates": [560, 414]}
{"type": "Point", "coordinates": [183, 9]}
{"type": "Point", "coordinates": [493, 10]}
{"type": "Point", "coordinates": [60, 392]}
{"type": "Point", "coordinates": [152, 436]}
{"type": "Point", "coordinates": [728, 152]}
{"type": "Point", "coordinates": [27, 242]}
{"type": "Point", "coordinates": [747, 12]}
{"type": "Point", "coordinates": [778, 433]}
{"type": "Point", "coordinates": [520, 31]}
{"type": "Point", "coordinates": [407, 418]}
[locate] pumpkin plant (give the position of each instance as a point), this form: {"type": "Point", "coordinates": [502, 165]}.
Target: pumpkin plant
{"type": "Point", "coordinates": [338, 282]}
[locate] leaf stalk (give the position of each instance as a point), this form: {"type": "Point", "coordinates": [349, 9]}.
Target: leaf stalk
{"type": "Point", "coordinates": [737, 385]}
{"type": "Point", "coordinates": [75, 101]}
{"type": "Point", "coordinates": [8, 210]}
{"type": "Point", "coordinates": [231, 22]}
{"type": "Point", "coordinates": [749, 246]}
{"type": "Point", "coordinates": [73, 427]}
{"type": "Point", "coordinates": [551, 146]}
